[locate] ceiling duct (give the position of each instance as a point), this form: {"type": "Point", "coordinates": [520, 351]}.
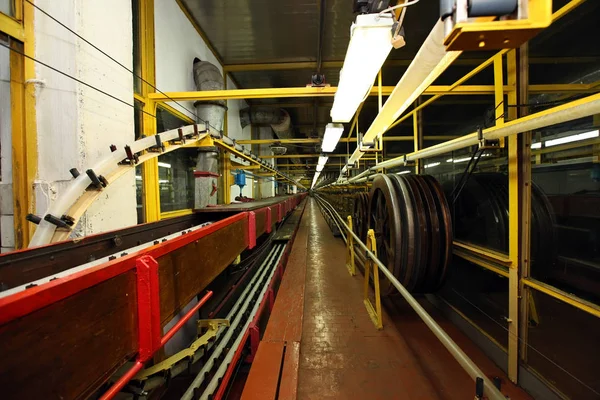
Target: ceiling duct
{"type": "Point", "coordinates": [207, 76]}
{"type": "Point", "coordinates": [277, 118]}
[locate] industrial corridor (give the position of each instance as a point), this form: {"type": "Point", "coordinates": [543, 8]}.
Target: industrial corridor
{"type": "Point", "coordinates": [342, 355]}
{"type": "Point", "coordinates": [317, 199]}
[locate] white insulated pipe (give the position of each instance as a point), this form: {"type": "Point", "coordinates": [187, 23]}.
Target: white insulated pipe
{"type": "Point", "coordinates": [568, 112]}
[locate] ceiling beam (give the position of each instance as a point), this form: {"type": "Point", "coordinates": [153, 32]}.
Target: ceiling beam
{"type": "Point", "coordinates": [309, 165]}
{"type": "Point", "coordinates": [342, 140]}
{"type": "Point", "coordinates": [311, 65]}
{"type": "Point", "coordinates": [329, 104]}
{"type": "Point", "coordinates": [273, 93]}
{"type": "Point", "coordinates": [301, 156]}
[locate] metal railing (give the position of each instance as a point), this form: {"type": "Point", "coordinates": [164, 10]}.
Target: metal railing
{"type": "Point", "coordinates": [490, 390]}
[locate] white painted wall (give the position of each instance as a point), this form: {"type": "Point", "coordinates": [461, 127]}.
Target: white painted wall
{"type": "Point", "coordinates": [76, 124]}
{"type": "Point", "coordinates": [177, 43]}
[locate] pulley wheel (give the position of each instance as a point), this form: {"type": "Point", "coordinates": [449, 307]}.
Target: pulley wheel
{"type": "Point", "coordinates": [384, 219]}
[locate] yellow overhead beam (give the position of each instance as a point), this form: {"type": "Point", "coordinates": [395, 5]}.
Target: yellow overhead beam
{"type": "Point", "coordinates": [456, 84]}
{"type": "Point", "coordinates": [309, 165]}
{"type": "Point", "coordinates": [342, 140]}
{"type": "Point", "coordinates": [300, 156]}
{"type": "Point", "coordinates": [285, 66]}
{"type": "Point", "coordinates": [273, 93]}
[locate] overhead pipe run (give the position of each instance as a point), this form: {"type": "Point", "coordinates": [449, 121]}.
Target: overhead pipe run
{"type": "Point", "coordinates": [277, 118]}
{"type": "Point", "coordinates": [207, 76]}
{"type": "Point", "coordinates": [577, 109]}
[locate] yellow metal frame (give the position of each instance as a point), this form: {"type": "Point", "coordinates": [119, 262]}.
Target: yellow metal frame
{"type": "Point", "coordinates": [350, 264]}
{"type": "Point", "coordinates": [176, 213]}
{"type": "Point", "coordinates": [374, 312]}
{"type": "Point", "coordinates": [21, 183]}
{"type": "Point", "coordinates": [284, 66]}
{"type": "Point", "coordinates": [515, 265]}
{"type": "Point", "coordinates": [15, 26]}
{"type": "Point", "coordinates": [23, 116]}
{"type": "Point", "coordinates": [515, 179]}
{"type": "Point", "coordinates": [150, 187]}
{"type": "Point", "coordinates": [563, 296]}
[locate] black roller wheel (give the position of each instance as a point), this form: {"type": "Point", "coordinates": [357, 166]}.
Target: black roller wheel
{"type": "Point", "coordinates": [384, 219]}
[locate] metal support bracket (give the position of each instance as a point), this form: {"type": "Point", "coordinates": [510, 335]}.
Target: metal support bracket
{"type": "Point", "coordinates": [374, 312]}
{"type": "Point", "coordinates": [487, 144]}
{"type": "Point", "coordinates": [350, 250]}
{"type": "Point", "coordinates": [212, 326]}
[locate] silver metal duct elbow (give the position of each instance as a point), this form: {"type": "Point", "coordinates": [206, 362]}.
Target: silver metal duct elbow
{"type": "Point", "coordinates": [261, 116]}
{"type": "Point", "coordinates": [208, 77]}
{"type": "Point", "coordinates": [284, 129]}
{"type": "Point", "coordinates": [277, 118]}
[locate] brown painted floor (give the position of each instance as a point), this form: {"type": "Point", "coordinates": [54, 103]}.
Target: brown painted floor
{"type": "Point", "coordinates": [342, 355]}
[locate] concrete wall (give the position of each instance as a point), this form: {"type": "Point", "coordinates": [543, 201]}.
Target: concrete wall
{"type": "Point", "coordinates": [77, 124]}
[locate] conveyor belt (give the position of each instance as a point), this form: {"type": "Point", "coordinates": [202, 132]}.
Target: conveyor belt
{"type": "Point", "coordinates": [108, 311]}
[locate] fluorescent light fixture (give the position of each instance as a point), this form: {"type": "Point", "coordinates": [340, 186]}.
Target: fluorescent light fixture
{"type": "Point", "coordinates": [333, 133]}
{"type": "Point", "coordinates": [163, 181]}
{"type": "Point", "coordinates": [449, 160]}
{"type": "Point", "coordinates": [459, 160]}
{"type": "Point", "coordinates": [164, 164]}
{"type": "Point", "coordinates": [316, 177]}
{"type": "Point", "coordinates": [435, 164]}
{"type": "Point", "coordinates": [320, 168]}
{"type": "Point", "coordinates": [370, 44]}
{"type": "Point", "coordinates": [322, 160]}
{"type": "Point", "coordinates": [537, 145]}
{"type": "Point", "coordinates": [403, 172]}
{"type": "Point", "coordinates": [138, 178]}
{"type": "Point", "coordinates": [572, 138]}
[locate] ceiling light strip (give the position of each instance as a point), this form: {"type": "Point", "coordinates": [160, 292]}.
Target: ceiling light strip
{"type": "Point", "coordinates": [429, 63]}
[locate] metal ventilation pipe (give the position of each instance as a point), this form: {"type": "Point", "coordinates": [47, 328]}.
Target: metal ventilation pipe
{"type": "Point", "coordinates": [278, 118]}
{"type": "Point", "coordinates": [208, 77]}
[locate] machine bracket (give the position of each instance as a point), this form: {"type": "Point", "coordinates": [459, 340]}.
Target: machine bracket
{"type": "Point", "coordinates": [374, 312]}
{"type": "Point", "coordinates": [132, 158]}
{"type": "Point", "coordinates": [189, 355]}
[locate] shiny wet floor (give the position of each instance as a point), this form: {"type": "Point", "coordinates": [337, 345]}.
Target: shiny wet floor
{"type": "Point", "coordinates": [343, 356]}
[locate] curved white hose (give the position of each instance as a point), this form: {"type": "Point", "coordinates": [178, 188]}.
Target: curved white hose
{"type": "Point", "coordinates": [45, 230]}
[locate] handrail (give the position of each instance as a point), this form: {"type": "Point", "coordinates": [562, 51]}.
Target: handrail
{"type": "Point", "coordinates": [465, 362]}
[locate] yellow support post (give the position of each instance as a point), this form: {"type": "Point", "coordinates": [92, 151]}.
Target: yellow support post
{"type": "Point", "coordinates": [499, 93]}
{"type": "Point", "coordinates": [22, 183]}
{"type": "Point", "coordinates": [526, 301]}
{"type": "Point", "coordinates": [417, 132]}
{"type": "Point", "coordinates": [226, 178]}
{"type": "Point", "coordinates": [30, 108]}
{"type": "Point", "coordinates": [374, 312]}
{"type": "Point", "coordinates": [350, 250]}
{"type": "Point", "coordinates": [150, 187]}
{"type": "Point", "coordinates": [514, 224]}
{"type": "Point", "coordinates": [380, 104]}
